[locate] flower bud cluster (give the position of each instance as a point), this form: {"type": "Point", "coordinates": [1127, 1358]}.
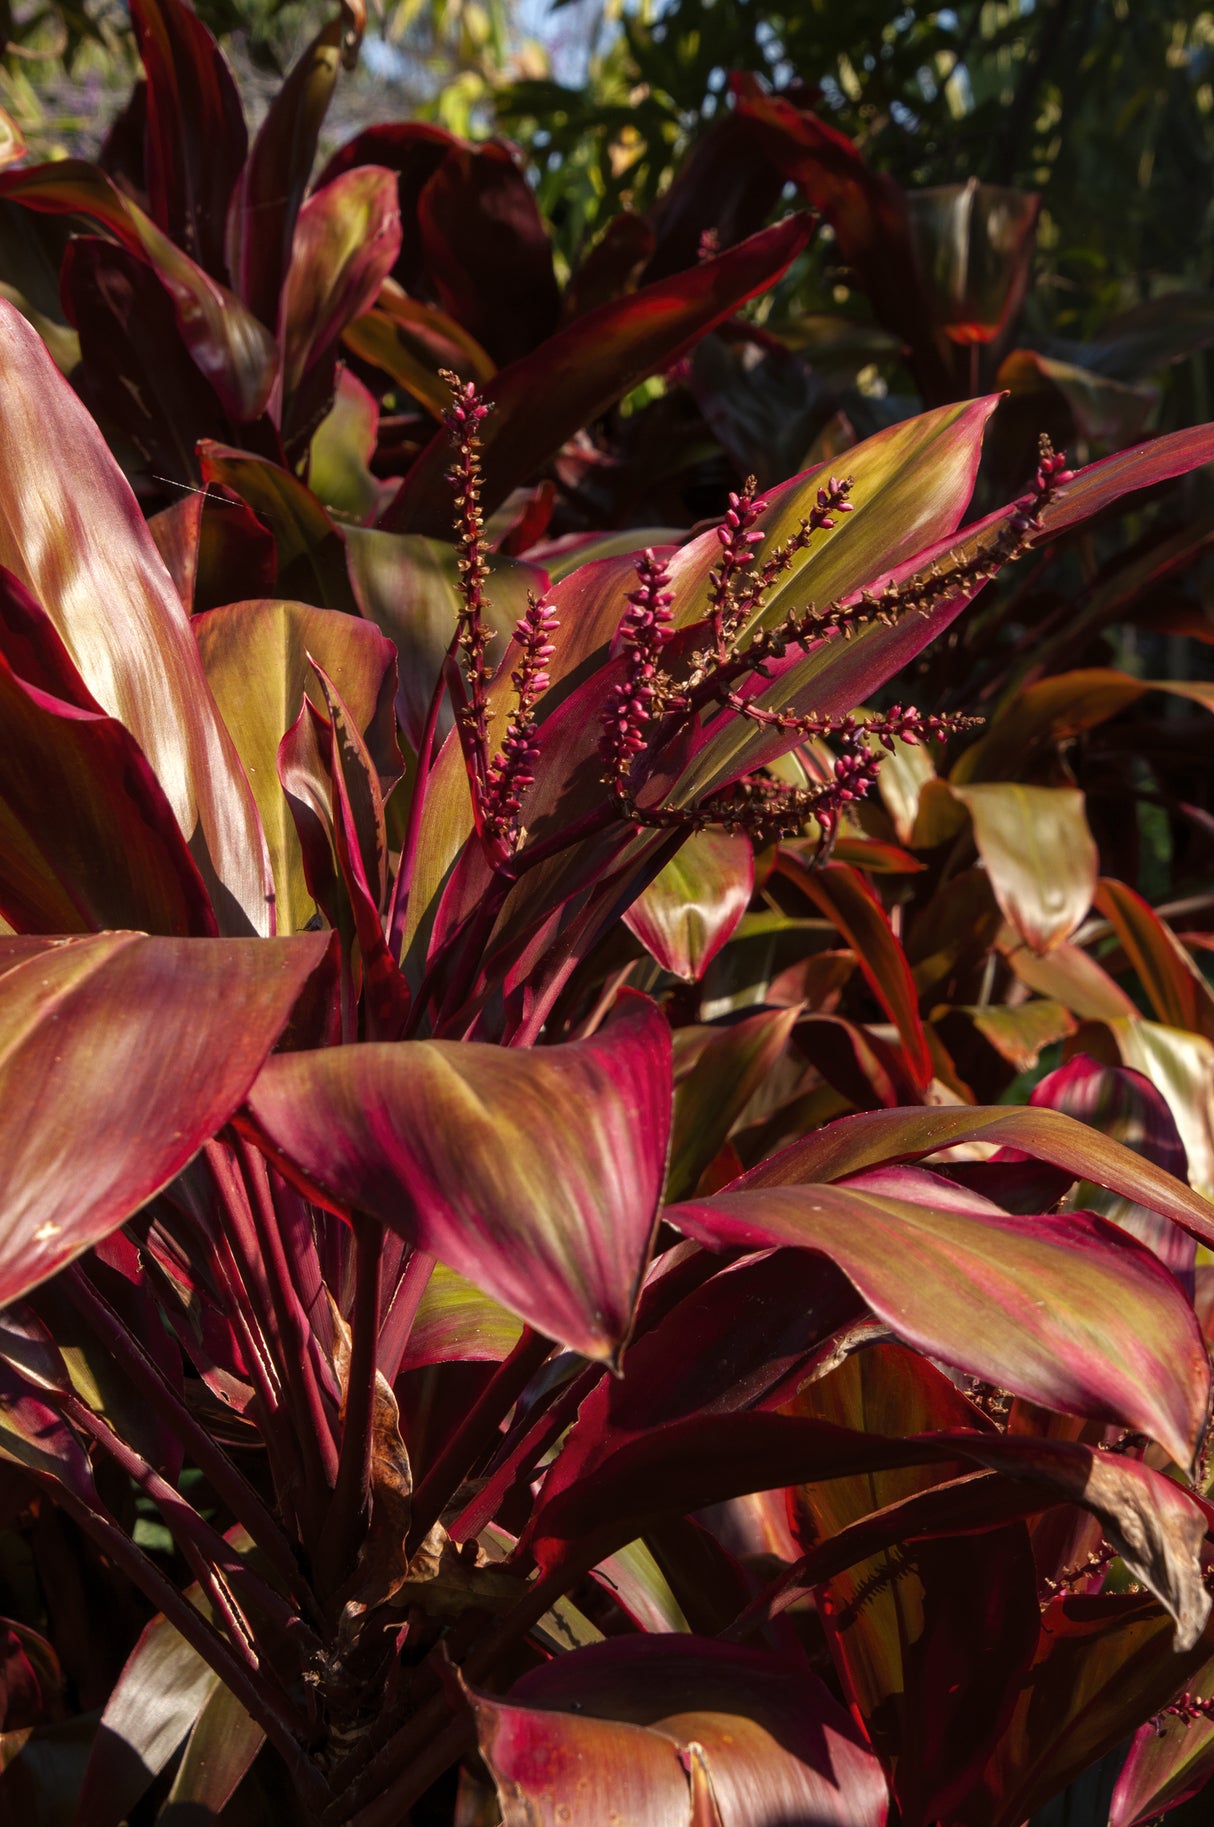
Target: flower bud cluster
{"type": "Point", "coordinates": [644, 631]}
{"type": "Point", "coordinates": [738, 536]}
{"type": "Point", "coordinates": [512, 769]}
{"type": "Point", "coordinates": [1052, 472]}
{"type": "Point", "coordinates": [463, 419]}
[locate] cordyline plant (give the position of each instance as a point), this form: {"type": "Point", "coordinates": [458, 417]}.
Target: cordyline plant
{"type": "Point", "coordinates": [517, 1451]}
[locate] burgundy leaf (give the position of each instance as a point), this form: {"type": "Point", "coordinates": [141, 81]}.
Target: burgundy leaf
{"type": "Point", "coordinates": [235, 352]}
{"type": "Point", "coordinates": [712, 1093]}
{"type": "Point", "coordinates": [702, 1459]}
{"type": "Point", "coordinates": [1127, 1106]}
{"type": "Point", "coordinates": [1064, 1309]}
{"type": "Point", "coordinates": [854, 1143]}
{"type": "Point", "coordinates": [1101, 1664]}
{"type": "Point", "coordinates": [867, 211]}
{"type": "Point", "coordinates": [261, 218]}
{"type": "Point", "coordinates": [541, 400]}
{"type": "Point", "coordinates": [122, 1054]}
{"type": "Point", "coordinates": [725, 188]}
{"type": "Point", "coordinates": [310, 549]}
{"type": "Point", "coordinates": [414, 150]}
{"type": "Point", "coordinates": [486, 251]}
{"type": "Point", "coordinates": [973, 245]}
{"type": "Point", "coordinates": [90, 840]}
{"type": "Point", "coordinates": [137, 372]}
{"type": "Point", "coordinates": [847, 900]}
{"type": "Point", "coordinates": [534, 1173]}
{"type": "Point", "coordinates": [928, 1637]}
{"type": "Point", "coordinates": [195, 136]}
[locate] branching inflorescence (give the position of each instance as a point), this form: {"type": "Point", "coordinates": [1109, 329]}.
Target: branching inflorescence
{"type": "Point", "coordinates": [652, 705]}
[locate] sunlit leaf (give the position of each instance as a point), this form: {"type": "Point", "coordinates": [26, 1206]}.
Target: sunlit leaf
{"type": "Point", "coordinates": [72, 533]}
{"type": "Point", "coordinates": [534, 1173]}
{"type": "Point", "coordinates": [258, 662]}
{"type": "Point", "coordinates": [1063, 1309]}
{"type": "Point", "coordinates": [693, 905]}
{"type": "Point", "coordinates": [122, 1054]}
{"type": "Point", "coordinates": [1039, 854]}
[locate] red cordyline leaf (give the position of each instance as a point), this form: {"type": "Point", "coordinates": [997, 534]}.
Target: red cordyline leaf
{"type": "Point", "coordinates": [536, 1173]}
{"type": "Point", "coordinates": [266, 201]}
{"type": "Point", "coordinates": [1101, 1664]}
{"type": "Point", "coordinates": [1063, 1309]}
{"type": "Point", "coordinates": [1171, 1758]}
{"type": "Point", "coordinates": [346, 240]}
{"type": "Point", "coordinates": [274, 642]}
{"type": "Point", "coordinates": [584, 1514]}
{"type": "Point", "coordinates": [757, 1738]}
{"type": "Point", "coordinates": [140, 375]}
{"type": "Point", "coordinates": [855, 1143]}
{"type": "Point", "coordinates": [729, 1068]}
{"type": "Point", "coordinates": [541, 400]}
{"type": "Point", "coordinates": [693, 907]}
{"type": "Point", "coordinates": [121, 1055]}
{"type": "Point", "coordinates": [89, 839]}
{"type": "Point", "coordinates": [196, 138]}
{"type": "Point", "coordinates": [850, 904]}
{"type": "Point", "coordinates": [72, 533]}
{"type": "Point", "coordinates": [866, 209]}
{"type": "Point", "coordinates": [235, 352]}
{"type": "Point", "coordinates": [928, 1639]}
{"type": "Point", "coordinates": [1127, 1106]}
{"type": "Point", "coordinates": [489, 258]}
{"type": "Point", "coordinates": [1179, 994]}
{"type": "Point", "coordinates": [311, 554]}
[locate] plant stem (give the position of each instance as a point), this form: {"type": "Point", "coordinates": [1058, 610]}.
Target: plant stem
{"type": "Point", "coordinates": [203, 1546]}
{"type": "Point", "coordinates": [432, 1741]}
{"type": "Point", "coordinates": [402, 1311]}
{"type": "Point", "coordinates": [313, 1426]}
{"type": "Point", "coordinates": [399, 906]}
{"type": "Point", "coordinates": [476, 1433]}
{"type": "Point", "coordinates": [346, 1522]}
{"type": "Point", "coordinates": [228, 1483]}
{"type": "Point", "coordinates": [263, 1705]}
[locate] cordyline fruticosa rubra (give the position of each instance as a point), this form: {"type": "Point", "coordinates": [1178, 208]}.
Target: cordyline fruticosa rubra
{"type": "Point", "coordinates": [487, 1378]}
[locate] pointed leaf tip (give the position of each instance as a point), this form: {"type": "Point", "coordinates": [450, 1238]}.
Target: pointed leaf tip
{"type": "Point", "coordinates": [535, 1172]}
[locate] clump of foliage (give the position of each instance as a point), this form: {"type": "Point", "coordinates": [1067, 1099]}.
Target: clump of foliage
{"type": "Point", "coordinates": [601, 1216]}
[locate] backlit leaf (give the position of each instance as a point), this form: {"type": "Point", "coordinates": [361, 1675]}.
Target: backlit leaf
{"type": "Point", "coordinates": [693, 905]}
{"type": "Point", "coordinates": [1039, 854]}
{"type": "Point", "coordinates": [257, 657]}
